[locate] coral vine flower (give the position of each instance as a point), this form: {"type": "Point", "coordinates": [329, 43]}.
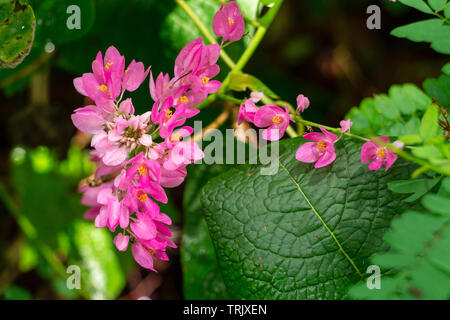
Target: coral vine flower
{"type": "Point", "coordinates": [129, 189]}
{"type": "Point", "coordinates": [275, 119]}
{"type": "Point", "coordinates": [302, 103]}
{"type": "Point", "coordinates": [228, 22]}
{"type": "Point", "coordinates": [321, 151]}
{"type": "Point", "coordinates": [345, 125]}
{"type": "Point", "coordinates": [379, 155]}
{"type": "Point", "coordinates": [247, 111]}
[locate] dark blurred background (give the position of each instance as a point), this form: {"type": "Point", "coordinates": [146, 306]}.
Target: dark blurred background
{"type": "Point", "coordinates": [321, 48]}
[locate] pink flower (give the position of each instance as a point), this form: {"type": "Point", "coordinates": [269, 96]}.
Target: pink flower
{"type": "Point", "coordinates": [256, 96]}
{"type": "Point", "coordinates": [398, 144]}
{"type": "Point", "coordinates": [228, 22]}
{"type": "Point", "coordinates": [160, 89]}
{"type": "Point", "coordinates": [193, 57]}
{"type": "Point", "coordinates": [88, 119]}
{"type": "Point", "coordinates": [275, 119]}
{"type": "Point", "coordinates": [177, 135]}
{"type": "Point", "coordinates": [379, 155]}
{"type": "Point", "coordinates": [121, 241]}
{"type": "Point", "coordinates": [320, 151]}
{"type": "Point", "coordinates": [247, 111]}
{"type": "Point", "coordinates": [345, 125]}
{"type": "Point", "coordinates": [105, 83]}
{"type": "Point", "coordinates": [302, 103]}
{"type": "Point", "coordinates": [134, 75]}
{"type": "Point", "coordinates": [183, 154]}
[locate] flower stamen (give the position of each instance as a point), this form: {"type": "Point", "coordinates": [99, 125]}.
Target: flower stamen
{"type": "Point", "coordinates": [142, 196]}
{"type": "Point", "coordinates": [142, 170]}
{"type": "Point", "coordinates": [205, 80]}
{"type": "Point", "coordinates": [103, 88]}
{"type": "Point", "coordinates": [321, 145]}
{"type": "Point", "coordinates": [276, 120]}
{"type": "Point", "coordinates": [381, 152]}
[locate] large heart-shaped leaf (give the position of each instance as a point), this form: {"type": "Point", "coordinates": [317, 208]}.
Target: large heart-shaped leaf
{"type": "Point", "coordinates": [302, 233]}
{"type": "Point", "coordinates": [201, 274]}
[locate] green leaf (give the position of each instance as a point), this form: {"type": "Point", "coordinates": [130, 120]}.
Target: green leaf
{"type": "Point", "coordinates": [54, 18]}
{"type": "Point", "coordinates": [16, 293]}
{"type": "Point", "coordinates": [418, 187]}
{"type": "Point", "coordinates": [419, 255]}
{"type": "Point", "coordinates": [429, 126]}
{"type": "Point", "coordinates": [433, 31]}
{"type": "Point", "coordinates": [201, 274]}
{"type": "Point", "coordinates": [446, 68]}
{"type": "Point", "coordinates": [439, 89]}
{"type": "Point", "coordinates": [179, 29]}
{"type": "Point", "coordinates": [437, 5]}
{"type": "Point", "coordinates": [302, 233]}
{"type": "Point", "coordinates": [242, 81]}
{"type": "Point", "coordinates": [17, 24]}
{"type": "Point", "coordinates": [28, 258]}
{"type": "Point", "coordinates": [417, 4]}
{"type": "Point", "coordinates": [99, 264]}
{"type": "Point", "coordinates": [447, 12]}
{"type": "Point", "coordinates": [395, 114]}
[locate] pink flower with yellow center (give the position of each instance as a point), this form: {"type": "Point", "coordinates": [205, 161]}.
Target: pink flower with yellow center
{"type": "Point", "coordinates": [228, 22]}
{"type": "Point", "coordinates": [274, 119]}
{"type": "Point", "coordinates": [321, 151]}
{"type": "Point", "coordinates": [379, 155]}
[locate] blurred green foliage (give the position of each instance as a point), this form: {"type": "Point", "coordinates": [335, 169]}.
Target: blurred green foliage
{"type": "Point", "coordinates": [48, 210]}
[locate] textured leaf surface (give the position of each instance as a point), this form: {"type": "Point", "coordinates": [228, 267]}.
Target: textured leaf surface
{"type": "Point", "coordinates": [201, 275]}
{"type": "Point", "coordinates": [303, 233]}
{"type": "Point", "coordinates": [17, 24]}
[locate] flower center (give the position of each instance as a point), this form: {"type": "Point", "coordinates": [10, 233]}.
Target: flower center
{"type": "Point", "coordinates": [321, 145]}
{"type": "Point", "coordinates": [381, 152]}
{"type": "Point", "coordinates": [142, 170]}
{"type": "Point", "coordinates": [108, 65]}
{"type": "Point", "coordinates": [176, 137]}
{"type": "Point", "coordinates": [152, 251]}
{"type": "Point", "coordinates": [276, 120]}
{"type": "Point", "coordinates": [183, 99]}
{"type": "Point", "coordinates": [142, 196]}
{"type": "Point", "coordinates": [168, 114]}
{"type": "Point", "coordinates": [205, 80]}
{"type": "Point", "coordinates": [230, 22]}
{"type": "Point", "coordinates": [103, 88]}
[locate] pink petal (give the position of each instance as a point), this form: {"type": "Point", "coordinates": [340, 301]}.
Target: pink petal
{"type": "Point", "coordinates": [121, 242]}
{"type": "Point", "coordinates": [307, 153]}
{"type": "Point", "coordinates": [375, 164]}
{"type": "Point", "coordinates": [144, 227]}
{"type": "Point", "coordinates": [142, 256]}
{"type": "Point", "coordinates": [325, 159]}
{"type": "Point", "coordinates": [368, 151]}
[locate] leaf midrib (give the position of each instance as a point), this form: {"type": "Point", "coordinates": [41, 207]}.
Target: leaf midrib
{"type": "Point", "coordinates": [316, 213]}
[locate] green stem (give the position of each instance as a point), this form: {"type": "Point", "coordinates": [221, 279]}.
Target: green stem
{"type": "Point", "coordinates": [405, 155]}
{"type": "Point", "coordinates": [225, 57]}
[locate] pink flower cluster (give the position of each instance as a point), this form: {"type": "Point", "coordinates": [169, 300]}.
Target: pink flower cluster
{"type": "Point", "coordinates": [137, 156]}
{"type": "Point", "coordinates": [322, 151]}
{"type": "Point", "coordinates": [274, 119]}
